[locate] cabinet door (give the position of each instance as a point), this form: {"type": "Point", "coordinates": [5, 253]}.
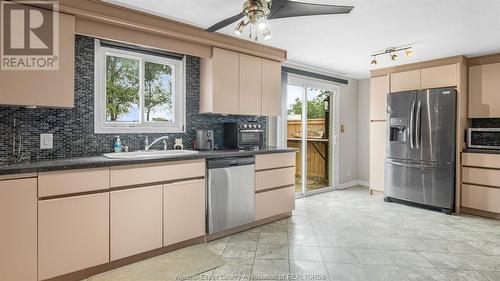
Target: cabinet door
{"type": "Point", "coordinates": [136, 223]}
{"type": "Point", "coordinates": [377, 155]}
{"type": "Point", "coordinates": [225, 75]}
{"type": "Point", "coordinates": [484, 82]}
{"type": "Point", "coordinates": [405, 81]}
{"type": "Point", "coordinates": [18, 245]}
{"type": "Point", "coordinates": [250, 85]}
{"type": "Point", "coordinates": [73, 234]}
{"type": "Point", "coordinates": [274, 202]}
{"type": "Point", "coordinates": [47, 87]}
{"type": "Point", "coordinates": [379, 88]}
{"type": "Point", "coordinates": [271, 88]}
{"type": "Point", "coordinates": [438, 77]}
{"type": "Point", "coordinates": [183, 211]}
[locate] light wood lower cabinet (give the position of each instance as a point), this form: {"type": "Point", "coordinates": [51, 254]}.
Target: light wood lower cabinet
{"type": "Point", "coordinates": [274, 202]}
{"type": "Point", "coordinates": [136, 221]}
{"type": "Point", "coordinates": [18, 233]}
{"type": "Point", "coordinates": [377, 155]}
{"type": "Point", "coordinates": [481, 198]}
{"type": "Point", "coordinates": [73, 234]}
{"type": "Point", "coordinates": [277, 160]}
{"type": "Point", "coordinates": [183, 211]}
{"type": "Point", "coordinates": [274, 178]}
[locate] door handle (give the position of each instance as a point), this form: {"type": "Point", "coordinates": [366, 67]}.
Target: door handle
{"type": "Point", "coordinates": [412, 113]}
{"type": "Point", "coordinates": [418, 125]}
{"type": "Point", "coordinates": [420, 166]}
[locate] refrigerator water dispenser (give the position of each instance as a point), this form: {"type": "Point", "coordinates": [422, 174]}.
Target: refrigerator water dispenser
{"type": "Point", "coordinates": [398, 129]}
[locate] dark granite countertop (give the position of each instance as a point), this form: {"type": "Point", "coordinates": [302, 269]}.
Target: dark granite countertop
{"type": "Point", "coordinates": [101, 161]}
{"type": "Point", "coordinates": [484, 151]}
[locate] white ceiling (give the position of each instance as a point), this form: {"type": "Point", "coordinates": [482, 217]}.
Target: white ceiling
{"type": "Point", "coordinates": [343, 43]}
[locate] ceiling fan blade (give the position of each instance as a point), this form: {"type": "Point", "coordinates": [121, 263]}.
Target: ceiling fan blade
{"type": "Point", "coordinates": [287, 9]}
{"type": "Point", "coordinates": [224, 23]}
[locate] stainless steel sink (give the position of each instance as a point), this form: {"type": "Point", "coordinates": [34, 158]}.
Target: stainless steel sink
{"type": "Point", "coordinates": [144, 154]}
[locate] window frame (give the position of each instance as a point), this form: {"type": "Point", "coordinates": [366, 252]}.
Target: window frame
{"type": "Point", "coordinates": [101, 126]}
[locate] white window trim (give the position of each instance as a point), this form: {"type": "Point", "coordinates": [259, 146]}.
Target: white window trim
{"type": "Point", "coordinates": [103, 127]}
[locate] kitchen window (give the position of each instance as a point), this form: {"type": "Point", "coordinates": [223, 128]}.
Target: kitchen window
{"type": "Point", "coordinates": [138, 91]}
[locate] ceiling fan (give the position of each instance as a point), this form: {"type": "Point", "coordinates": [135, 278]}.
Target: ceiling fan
{"type": "Point", "coordinates": [256, 12]}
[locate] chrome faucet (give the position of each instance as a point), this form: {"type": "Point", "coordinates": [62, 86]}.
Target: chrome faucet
{"type": "Point", "coordinates": [148, 145]}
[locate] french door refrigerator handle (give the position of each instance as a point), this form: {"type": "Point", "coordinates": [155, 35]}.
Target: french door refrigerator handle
{"type": "Point", "coordinates": [411, 123]}
{"type": "Point", "coordinates": [418, 125]}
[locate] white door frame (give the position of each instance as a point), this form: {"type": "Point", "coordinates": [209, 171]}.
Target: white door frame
{"type": "Point", "coordinates": [305, 82]}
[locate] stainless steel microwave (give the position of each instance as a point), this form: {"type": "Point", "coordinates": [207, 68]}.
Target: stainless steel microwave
{"type": "Point", "coordinates": [483, 138]}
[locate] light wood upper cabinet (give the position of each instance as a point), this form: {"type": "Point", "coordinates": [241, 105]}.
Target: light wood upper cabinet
{"type": "Point", "coordinates": [51, 88]}
{"type": "Point", "coordinates": [18, 232]}
{"type": "Point", "coordinates": [271, 88]}
{"type": "Point", "coordinates": [379, 88]}
{"type": "Point", "coordinates": [73, 234]}
{"type": "Point", "coordinates": [220, 82]}
{"type": "Point", "coordinates": [183, 211]}
{"type": "Point", "coordinates": [136, 221]}
{"type": "Point", "coordinates": [234, 83]}
{"type": "Point", "coordinates": [377, 155]}
{"type": "Point", "coordinates": [438, 77]}
{"type": "Point", "coordinates": [405, 81]}
{"type": "Point", "coordinates": [250, 85]}
{"type": "Point", "coordinates": [484, 95]}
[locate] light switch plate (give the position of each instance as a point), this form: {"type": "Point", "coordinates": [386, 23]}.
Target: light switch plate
{"type": "Point", "coordinates": [46, 141]}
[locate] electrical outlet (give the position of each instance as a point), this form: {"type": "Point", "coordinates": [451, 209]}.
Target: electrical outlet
{"type": "Point", "coordinates": [46, 141]}
{"type": "Point", "coordinates": [342, 128]}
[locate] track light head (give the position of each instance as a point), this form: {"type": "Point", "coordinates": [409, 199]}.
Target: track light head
{"type": "Point", "coordinates": [394, 57]}
{"type": "Point", "coordinates": [409, 53]}
{"type": "Point", "coordinates": [374, 61]}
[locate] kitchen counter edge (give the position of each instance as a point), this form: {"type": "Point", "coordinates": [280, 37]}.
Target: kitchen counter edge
{"type": "Point", "coordinates": [101, 161]}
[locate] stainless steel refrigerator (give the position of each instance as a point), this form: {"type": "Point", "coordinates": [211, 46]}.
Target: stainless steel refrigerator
{"type": "Point", "coordinates": [420, 151]}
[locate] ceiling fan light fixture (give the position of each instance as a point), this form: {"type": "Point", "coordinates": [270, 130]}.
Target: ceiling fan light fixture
{"type": "Point", "coordinates": [266, 33]}
{"type": "Point", "coordinates": [262, 25]}
{"type": "Point", "coordinates": [239, 28]}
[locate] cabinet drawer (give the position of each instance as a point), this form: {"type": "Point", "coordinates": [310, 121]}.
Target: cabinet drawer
{"type": "Point", "coordinates": [405, 81]}
{"type": "Point", "coordinates": [136, 221]}
{"type": "Point", "coordinates": [481, 176]}
{"type": "Point", "coordinates": [73, 181]}
{"type": "Point", "coordinates": [440, 76]}
{"type": "Point", "coordinates": [270, 161]}
{"type": "Point", "coordinates": [481, 198]}
{"type": "Point", "coordinates": [481, 160]}
{"type": "Point", "coordinates": [184, 211]}
{"type": "Point", "coordinates": [152, 173]}
{"type": "Point", "coordinates": [274, 202]}
{"type": "Point", "coordinates": [274, 178]}
{"type": "Point", "coordinates": [73, 234]}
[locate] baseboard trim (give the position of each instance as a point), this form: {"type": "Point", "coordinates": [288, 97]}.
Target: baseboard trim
{"type": "Point", "coordinates": [352, 183]}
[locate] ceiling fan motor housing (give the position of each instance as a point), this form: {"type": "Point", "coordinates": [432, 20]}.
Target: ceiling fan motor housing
{"type": "Point", "coordinates": [255, 10]}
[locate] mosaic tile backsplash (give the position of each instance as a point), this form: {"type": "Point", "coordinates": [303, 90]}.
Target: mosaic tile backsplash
{"type": "Point", "coordinates": [73, 128]}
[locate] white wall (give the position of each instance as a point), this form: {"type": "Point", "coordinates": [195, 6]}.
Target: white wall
{"type": "Point", "coordinates": [348, 140]}
{"type": "Point", "coordinates": [364, 130]}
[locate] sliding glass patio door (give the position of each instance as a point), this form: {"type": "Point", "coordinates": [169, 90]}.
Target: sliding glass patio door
{"type": "Point", "coordinates": [309, 126]}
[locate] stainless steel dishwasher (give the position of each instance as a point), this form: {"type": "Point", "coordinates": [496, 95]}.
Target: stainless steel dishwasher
{"type": "Point", "coordinates": [231, 192]}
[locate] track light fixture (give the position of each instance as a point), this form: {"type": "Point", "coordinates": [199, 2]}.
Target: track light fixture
{"type": "Point", "coordinates": [393, 53]}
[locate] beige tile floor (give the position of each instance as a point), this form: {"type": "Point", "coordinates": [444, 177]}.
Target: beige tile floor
{"type": "Point", "coordinates": [349, 235]}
